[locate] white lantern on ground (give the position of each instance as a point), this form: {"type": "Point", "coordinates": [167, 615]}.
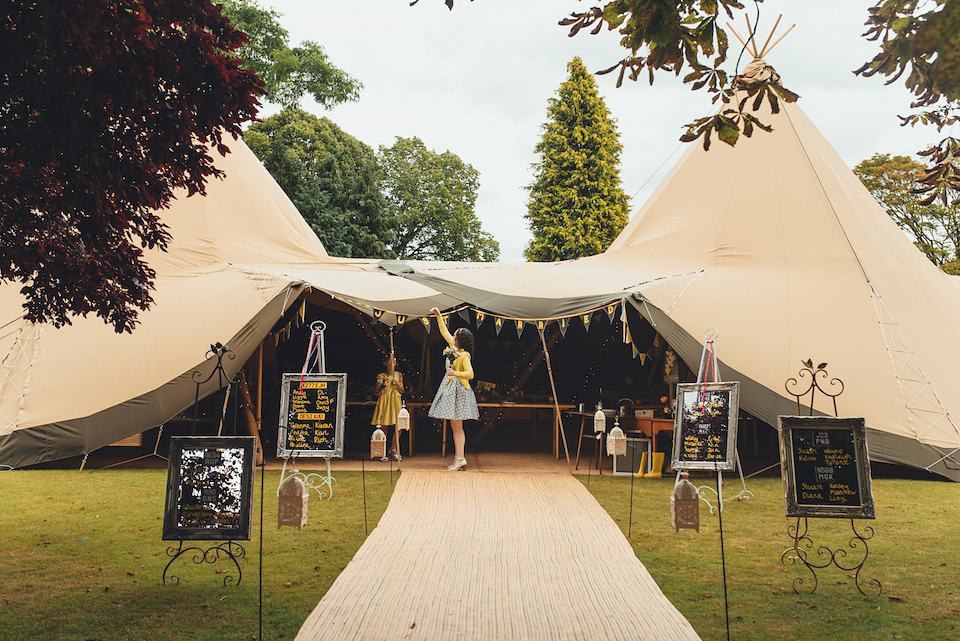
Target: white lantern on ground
{"type": "Point", "coordinates": [378, 444]}
{"type": "Point", "coordinates": [403, 419]}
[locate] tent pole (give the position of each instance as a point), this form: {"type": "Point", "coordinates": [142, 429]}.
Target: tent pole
{"type": "Point", "coordinates": [557, 422]}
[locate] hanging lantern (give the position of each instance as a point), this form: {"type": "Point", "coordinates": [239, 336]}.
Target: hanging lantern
{"type": "Point", "coordinates": [292, 500]}
{"type": "Point", "coordinates": [378, 444]}
{"type": "Point", "coordinates": [616, 440]}
{"type": "Point", "coordinates": [403, 418]}
{"type": "Point", "coordinates": [599, 420]}
{"type": "Point", "coordinates": [685, 506]}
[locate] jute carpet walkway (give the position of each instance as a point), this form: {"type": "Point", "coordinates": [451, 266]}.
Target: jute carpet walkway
{"type": "Point", "coordinates": [488, 556]}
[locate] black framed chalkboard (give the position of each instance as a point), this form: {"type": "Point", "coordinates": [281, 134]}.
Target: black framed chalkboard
{"type": "Point", "coordinates": [312, 412]}
{"type": "Point", "coordinates": [705, 426]}
{"type": "Point", "coordinates": [826, 471]}
{"type": "Point", "coordinates": [209, 488]}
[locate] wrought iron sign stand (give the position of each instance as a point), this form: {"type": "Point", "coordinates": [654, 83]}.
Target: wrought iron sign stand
{"type": "Point", "coordinates": [173, 529]}
{"type": "Point", "coordinates": [848, 462]}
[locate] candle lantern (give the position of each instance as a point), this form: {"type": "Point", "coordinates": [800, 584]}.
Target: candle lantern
{"type": "Point", "coordinates": [616, 440]}
{"type": "Point", "coordinates": [599, 420]}
{"type": "Point", "coordinates": [685, 506]}
{"type": "Point", "coordinates": [292, 501]}
{"type": "Point", "coordinates": [403, 418]}
{"type": "Point", "coordinates": [378, 444]}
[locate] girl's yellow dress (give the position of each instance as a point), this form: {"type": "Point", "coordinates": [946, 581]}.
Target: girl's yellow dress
{"type": "Point", "coordinates": [388, 400]}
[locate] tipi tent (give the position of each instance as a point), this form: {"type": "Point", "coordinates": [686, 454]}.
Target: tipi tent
{"type": "Point", "coordinates": [774, 243]}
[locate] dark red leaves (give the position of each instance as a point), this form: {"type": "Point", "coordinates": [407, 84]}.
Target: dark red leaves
{"type": "Point", "coordinates": [107, 107]}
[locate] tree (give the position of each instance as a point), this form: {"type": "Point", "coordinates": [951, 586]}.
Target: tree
{"type": "Point", "coordinates": [430, 202]}
{"type": "Point", "coordinates": [106, 108]}
{"type": "Point", "coordinates": [576, 205]}
{"type": "Point", "coordinates": [934, 228]}
{"type": "Point", "coordinates": [330, 176]}
{"type": "Point", "coordinates": [918, 41]}
{"type": "Point", "coordinates": [288, 74]}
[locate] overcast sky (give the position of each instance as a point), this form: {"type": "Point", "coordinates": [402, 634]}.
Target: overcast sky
{"type": "Point", "coordinates": [476, 80]}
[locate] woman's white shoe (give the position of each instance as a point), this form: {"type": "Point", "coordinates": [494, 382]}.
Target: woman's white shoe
{"type": "Point", "coordinates": [458, 464]}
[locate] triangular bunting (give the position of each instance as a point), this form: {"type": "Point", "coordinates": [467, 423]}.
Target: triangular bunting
{"type": "Point", "coordinates": [426, 322]}
{"type": "Point", "coordinates": [611, 310]}
{"type": "Point", "coordinates": [563, 323]}
{"type": "Point", "coordinates": [498, 323]}
{"type": "Point", "coordinates": [465, 314]}
{"type": "Point", "coordinates": [303, 311]}
{"type": "Point", "coordinates": [378, 314]}
{"type": "Point", "coordinates": [401, 319]}
{"type": "Point", "coordinates": [643, 359]}
{"type": "Point", "coordinates": [541, 326]}
{"type": "Point", "coordinates": [586, 320]}
{"type": "Point", "coordinates": [519, 325]}
{"type": "Point", "coordinates": [479, 318]}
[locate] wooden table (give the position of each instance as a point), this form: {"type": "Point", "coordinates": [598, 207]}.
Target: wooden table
{"type": "Point", "coordinates": [487, 422]}
{"type": "Point", "coordinates": [632, 426]}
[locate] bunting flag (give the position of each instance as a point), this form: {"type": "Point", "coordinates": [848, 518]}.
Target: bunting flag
{"type": "Point", "coordinates": [401, 319]}
{"type": "Point", "coordinates": [611, 310]}
{"type": "Point", "coordinates": [586, 320]}
{"type": "Point", "coordinates": [426, 322]}
{"type": "Point", "coordinates": [520, 324]}
{"type": "Point", "coordinates": [303, 311]}
{"type": "Point", "coordinates": [378, 314]}
{"type": "Point", "coordinates": [643, 359]}
{"type": "Point", "coordinates": [541, 326]}
{"type": "Point", "coordinates": [479, 318]}
{"type": "Point", "coordinates": [563, 322]}
{"type": "Point", "coordinates": [498, 323]}
{"type": "Point", "coordinates": [624, 325]}
{"type": "Point", "coordinates": [465, 314]}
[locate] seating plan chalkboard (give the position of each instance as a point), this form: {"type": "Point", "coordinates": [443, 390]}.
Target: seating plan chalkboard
{"type": "Point", "coordinates": [826, 470]}
{"type": "Point", "coordinates": [705, 430]}
{"type": "Point", "coordinates": [312, 411]}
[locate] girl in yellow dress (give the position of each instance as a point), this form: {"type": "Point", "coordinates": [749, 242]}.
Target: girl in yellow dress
{"type": "Point", "coordinates": [389, 391]}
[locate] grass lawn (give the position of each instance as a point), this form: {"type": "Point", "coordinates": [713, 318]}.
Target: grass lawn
{"type": "Point", "coordinates": [83, 559]}
{"type": "Point", "coordinates": [914, 553]}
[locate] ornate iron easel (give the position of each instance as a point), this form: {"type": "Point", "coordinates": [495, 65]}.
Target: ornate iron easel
{"type": "Point", "coordinates": [224, 549]}
{"type": "Point", "coordinates": [803, 545]}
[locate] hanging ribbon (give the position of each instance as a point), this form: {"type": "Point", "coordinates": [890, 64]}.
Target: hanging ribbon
{"type": "Point", "coordinates": [708, 372]}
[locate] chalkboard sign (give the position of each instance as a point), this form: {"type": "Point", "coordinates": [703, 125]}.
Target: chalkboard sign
{"type": "Point", "coordinates": [209, 488]}
{"type": "Point", "coordinates": [312, 411]}
{"type": "Point", "coordinates": [826, 471]}
{"type": "Point", "coordinates": [705, 426]}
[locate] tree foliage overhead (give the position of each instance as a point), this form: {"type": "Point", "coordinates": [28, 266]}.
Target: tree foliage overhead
{"type": "Point", "coordinates": [331, 177]}
{"type": "Point", "coordinates": [935, 228]}
{"type": "Point", "coordinates": [288, 73]}
{"type": "Point", "coordinates": [430, 203]}
{"type": "Point", "coordinates": [577, 205]}
{"type": "Point", "coordinates": [919, 41]}
{"type": "Point", "coordinates": [106, 107]}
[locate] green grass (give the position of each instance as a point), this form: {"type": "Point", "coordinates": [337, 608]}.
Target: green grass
{"type": "Point", "coordinates": [83, 557]}
{"type": "Point", "coordinates": [914, 553]}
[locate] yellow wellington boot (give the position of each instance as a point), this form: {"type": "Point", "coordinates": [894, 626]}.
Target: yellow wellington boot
{"type": "Point", "coordinates": [657, 469]}
{"type": "Point", "coordinates": [643, 465]}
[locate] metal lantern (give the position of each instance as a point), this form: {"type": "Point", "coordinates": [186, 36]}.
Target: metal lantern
{"type": "Point", "coordinates": [378, 444]}
{"type": "Point", "coordinates": [403, 418]}
{"type": "Point", "coordinates": [685, 506]}
{"type": "Point", "coordinates": [292, 503]}
{"type": "Point", "coordinates": [616, 441]}
{"type": "Point", "coordinates": [599, 420]}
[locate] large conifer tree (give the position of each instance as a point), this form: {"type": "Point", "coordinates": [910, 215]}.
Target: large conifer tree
{"type": "Point", "coordinates": [576, 206]}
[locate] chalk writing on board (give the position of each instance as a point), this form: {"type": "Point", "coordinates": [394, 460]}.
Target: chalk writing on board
{"type": "Point", "coordinates": [312, 412]}
{"type": "Point", "coordinates": [826, 469]}
{"type": "Point", "coordinates": [705, 430]}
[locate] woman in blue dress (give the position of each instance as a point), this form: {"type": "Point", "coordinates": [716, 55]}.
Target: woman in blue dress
{"type": "Point", "coordinates": [455, 400]}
